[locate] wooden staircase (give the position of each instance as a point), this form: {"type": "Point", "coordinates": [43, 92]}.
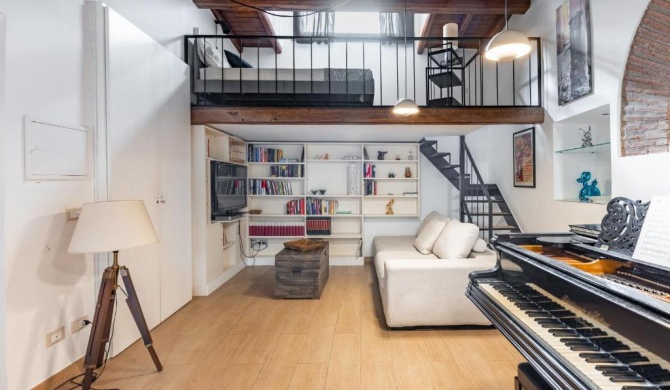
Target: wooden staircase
{"type": "Point", "coordinates": [480, 203]}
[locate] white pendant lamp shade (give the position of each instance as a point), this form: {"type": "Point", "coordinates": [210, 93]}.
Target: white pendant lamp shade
{"type": "Point", "coordinates": [405, 107]}
{"type": "Point", "coordinates": [450, 30]}
{"type": "Point", "coordinates": [111, 226]}
{"type": "Point", "coordinates": [507, 46]}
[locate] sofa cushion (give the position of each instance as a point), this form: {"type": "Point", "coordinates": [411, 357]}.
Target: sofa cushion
{"type": "Point", "coordinates": [425, 241]}
{"type": "Point", "coordinates": [480, 246]}
{"type": "Point", "coordinates": [433, 215]}
{"type": "Point", "coordinates": [456, 240]}
{"type": "Point", "coordinates": [406, 254]}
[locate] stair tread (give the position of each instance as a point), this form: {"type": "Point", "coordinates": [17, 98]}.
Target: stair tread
{"type": "Point", "coordinates": [439, 155]}
{"type": "Point", "coordinates": [499, 227]}
{"type": "Point", "coordinates": [496, 214]}
{"type": "Point", "coordinates": [484, 201]}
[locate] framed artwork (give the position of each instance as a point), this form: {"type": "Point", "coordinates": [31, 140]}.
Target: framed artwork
{"type": "Point", "coordinates": [573, 50]}
{"type": "Point", "coordinates": [524, 158]}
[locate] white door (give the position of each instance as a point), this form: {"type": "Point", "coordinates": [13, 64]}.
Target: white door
{"type": "Point", "coordinates": [133, 163]}
{"type": "Point", "coordinates": [175, 183]}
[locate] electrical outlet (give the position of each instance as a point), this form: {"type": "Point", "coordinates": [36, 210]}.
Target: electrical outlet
{"type": "Point", "coordinates": [258, 242]}
{"type": "Point", "coordinates": [78, 324]}
{"type": "Point", "coordinates": [55, 336]}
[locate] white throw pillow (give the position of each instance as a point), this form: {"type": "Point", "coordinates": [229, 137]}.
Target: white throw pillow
{"type": "Point", "coordinates": [424, 242]}
{"type": "Point", "coordinates": [433, 215]}
{"type": "Point", "coordinates": [456, 240]}
{"type": "Point", "coordinates": [211, 55]}
{"type": "Point", "coordinates": [480, 246]}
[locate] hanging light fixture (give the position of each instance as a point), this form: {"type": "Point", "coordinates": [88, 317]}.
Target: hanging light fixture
{"type": "Point", "coordinates": [405, 106]}
{"type": "Point", "coordinates": [507, 45]}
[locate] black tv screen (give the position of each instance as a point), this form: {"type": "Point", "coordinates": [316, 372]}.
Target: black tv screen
{"type": "Point", "coordinates": [228, 188]}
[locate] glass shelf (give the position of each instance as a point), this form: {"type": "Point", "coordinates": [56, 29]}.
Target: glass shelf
{"type": "Point", "coordinates": [596, 148]}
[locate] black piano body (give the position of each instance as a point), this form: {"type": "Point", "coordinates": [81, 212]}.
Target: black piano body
{"type": "Point", "coordinates": [583, 317]}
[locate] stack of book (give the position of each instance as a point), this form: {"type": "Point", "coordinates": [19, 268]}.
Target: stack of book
{"type": "Point", "coordinates": [286, 171]}
{"type": "Point", "coordinates": [318, 226]}
{"type": "Point", "coordinates": [262, 154]}
{"type": "Point", "coordinates": [269, 187]}
{"type": "Point", "coordinates": [296, 207]}
{"type": "Point", "coordinates": [321, 206]}
{"type": "Point", "coordinates": [276, 229]}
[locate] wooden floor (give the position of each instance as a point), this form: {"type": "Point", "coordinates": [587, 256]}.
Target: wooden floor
{"type": "Point", "coordinates": [240, 337]}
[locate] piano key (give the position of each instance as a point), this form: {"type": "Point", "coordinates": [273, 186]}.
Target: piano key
{"type": "Point", "coordinates": [629, 357]}
{"type": "Point", "coordinates": [564, 333]}
{"type": "Point", "coordinates": [538, 314]}
{"type": "Point", "coordinates": [570, 356]}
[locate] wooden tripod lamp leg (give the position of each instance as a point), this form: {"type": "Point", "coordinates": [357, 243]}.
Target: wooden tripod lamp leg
{"type": "Point", "coordinates": [136, 311]}
{"type": "Point", "coordinates": [102, 322]}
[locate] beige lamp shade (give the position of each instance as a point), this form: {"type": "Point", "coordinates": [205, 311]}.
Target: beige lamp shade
{"type": "Point", "coordinates": [112, 226]}
{"type": "Point", "coordinates": [450, 30]}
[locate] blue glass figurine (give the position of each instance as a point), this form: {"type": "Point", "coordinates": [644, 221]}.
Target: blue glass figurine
{"type": "Point", "coordinates": [587, 189]}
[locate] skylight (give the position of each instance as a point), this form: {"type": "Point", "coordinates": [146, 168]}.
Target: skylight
{"type": "Point", "coordinates": [357, 23]}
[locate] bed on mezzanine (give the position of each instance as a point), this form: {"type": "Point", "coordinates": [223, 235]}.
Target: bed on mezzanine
{"type": "Point", "coordinates": [234, 82]}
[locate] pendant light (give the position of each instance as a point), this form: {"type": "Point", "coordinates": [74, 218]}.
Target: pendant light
{"type": "Point", "coordinates": [405, 106]}
{"type": "Point", "coordinates": [507, 45]}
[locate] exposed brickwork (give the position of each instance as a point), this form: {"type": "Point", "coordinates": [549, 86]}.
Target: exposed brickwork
{"type": "Point", "coordinates": [645, 113]}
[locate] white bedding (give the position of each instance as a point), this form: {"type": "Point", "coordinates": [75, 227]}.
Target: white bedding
{"type": "Point", "coordinates": [263, 74]}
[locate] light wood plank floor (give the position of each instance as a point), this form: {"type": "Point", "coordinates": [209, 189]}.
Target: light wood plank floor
{"type": "Point", "coordinates": [240, 337]}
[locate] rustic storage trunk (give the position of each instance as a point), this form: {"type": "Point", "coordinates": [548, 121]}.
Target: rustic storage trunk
{"type": "Point", "coordinates": [301, 274]}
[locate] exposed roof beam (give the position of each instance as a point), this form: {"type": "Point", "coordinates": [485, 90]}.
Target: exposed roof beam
{"type": "Point", "coordinates": [270, 31]}
{"type": "Point", "coordinates": [425, 32]}
{"type": "Point", "coordinates": [366, 115]}
{"type": "Point", "coordinates": [218, 15]}
{"type": "Point", "coordinates": [498, 27]}
{"type": "Point", "coordinates": [418, 6]}
{"type": "Point", "coordinates": [463, 25]}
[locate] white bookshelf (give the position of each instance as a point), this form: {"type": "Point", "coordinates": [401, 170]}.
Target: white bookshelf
{"type": "Point", "coordinates": [325, 167]}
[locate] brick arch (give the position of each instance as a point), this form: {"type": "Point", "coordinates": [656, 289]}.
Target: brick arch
{"type": "Point", "coordinates": [645, 120]}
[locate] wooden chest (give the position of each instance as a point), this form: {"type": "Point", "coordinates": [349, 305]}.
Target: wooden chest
{"type": "Point", "coordinates": [301, 274]}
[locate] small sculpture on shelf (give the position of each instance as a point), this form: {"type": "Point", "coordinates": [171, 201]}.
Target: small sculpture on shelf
{"type": "Point", "coordinates": [326, 157]}
{"type": "Point", "coordinates": [587, 189]}
{"type": "Point", "coordinates": [587, 140]}
{"type": "Point", "coordinates": [391, 174]}
{"type": "Point", "coordinates": [389, 207]}
{"type": "Point", "coordinates": [380, 155]}
{"type": "Point", "coordinates": [397, 157]}
{"type": "Point", "coordinates": [408, 172]}
{"type": "Point", "coordinates": [411, 156]}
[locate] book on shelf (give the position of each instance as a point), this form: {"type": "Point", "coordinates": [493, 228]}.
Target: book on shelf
{"type": "Point", "coordinates": [269, 187]}
{"type": "Point", "coordinates": [276, 228]}
{"type": "Point", "coordinates": [321, 206]}
{"type": "Point", "coordinates": [369, 170]}
{"type": "Point", "coordinates": [318, 226]}
{"type": "Point", "coordinates": [263, 154]}
{"type": "Point", "coordinates": [370, 187]}
{"type": "Point", "coordinates": [295, 207]}
{"type": "Point", "coordinates": [286, 171]}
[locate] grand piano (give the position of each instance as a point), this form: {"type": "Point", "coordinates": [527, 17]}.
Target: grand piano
{"type": "Point", "coordinates": [584, 317]}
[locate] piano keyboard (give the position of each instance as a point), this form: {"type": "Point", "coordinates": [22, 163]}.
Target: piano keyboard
{"type": "Point", "coordinates": [607, 359]}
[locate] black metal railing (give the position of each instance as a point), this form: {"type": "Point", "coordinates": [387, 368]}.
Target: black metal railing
{"type": "Point", "coordinates": [475, 199]}
{"type": "Point", "coordinates": [359, 71]}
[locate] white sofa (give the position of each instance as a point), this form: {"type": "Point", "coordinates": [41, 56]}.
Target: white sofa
{"type": "Point", "coordinates": [424, 290]}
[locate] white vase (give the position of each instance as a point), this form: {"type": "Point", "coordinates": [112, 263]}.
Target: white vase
{"type": "Point", "coordinates": [353, 180]}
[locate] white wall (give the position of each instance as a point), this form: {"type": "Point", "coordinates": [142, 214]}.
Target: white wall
{"type": "Point", "coordinates": [47, 67]}
{"type": "Point", "coordinates": [3, 284]}
{"type": "Point", "coordinates": [613, 25]}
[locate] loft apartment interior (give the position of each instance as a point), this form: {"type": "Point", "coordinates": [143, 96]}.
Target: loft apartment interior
{"type": "Point", "coordinates": [335, 194]}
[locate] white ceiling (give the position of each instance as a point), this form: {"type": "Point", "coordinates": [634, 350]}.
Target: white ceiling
{"type": "Point", "coordinates": [342, 133]}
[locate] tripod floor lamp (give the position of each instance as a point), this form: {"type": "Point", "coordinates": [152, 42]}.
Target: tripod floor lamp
{"type": "Point", "coordinates": [110, 227]}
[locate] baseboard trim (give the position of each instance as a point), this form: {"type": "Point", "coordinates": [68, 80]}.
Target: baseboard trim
{"type": "Point", "coordinates": [335, 261]}
{"type": "Point", "coordinates": [77, 367]}
{"type": "Point", "coordinates": [224, 277]}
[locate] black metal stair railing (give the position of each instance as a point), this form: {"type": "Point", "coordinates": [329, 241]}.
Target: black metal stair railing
{"type": "Point", "coordinates": [479, 203]}
{"type": "Point", "coordinates": [359, 71]}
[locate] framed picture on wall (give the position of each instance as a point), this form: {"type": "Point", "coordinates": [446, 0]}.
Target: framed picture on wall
{"type": "Point", "coordinates": [573, 50]}
{"type": "Point", "coordinates": [524, 158]}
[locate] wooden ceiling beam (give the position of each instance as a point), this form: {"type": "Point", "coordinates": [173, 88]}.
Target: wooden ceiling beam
{"type": "Point", "coordinates": [366, 115]}
{"type": "Point", "coordinates": [425, 32]}
{"type": "Point", "coordinates": [218, 15]}
{"type": "Point", "coordinates": [464, 24]}
{"type": "Point", "coordinates": [498, 26]}
{"type": "Point", "coordinates": [418, 6]}
{"type": "Point", "coordinates": [267, 24]}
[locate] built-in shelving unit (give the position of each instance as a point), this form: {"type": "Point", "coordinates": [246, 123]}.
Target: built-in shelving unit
{"type": "Point", "coordinates": [326, 167]}
{"type": "Point", "coordinates": [217, 254]}
{"type": "Point", "coordinates": [571, 158]}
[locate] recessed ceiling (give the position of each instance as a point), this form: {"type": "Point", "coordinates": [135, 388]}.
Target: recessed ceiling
{"type": "Point", "coordinates": [342, 133]}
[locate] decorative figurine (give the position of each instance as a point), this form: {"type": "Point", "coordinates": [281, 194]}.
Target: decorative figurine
{"type": "Point", "coordinates": [411, 156]}
{"type": "Point", "coordinates": [397, 157]}
{"type": "Point", "coordinates": [389, 207]}
{"type": "Point", "coordinates": [391, 174]}
{"type": "Point", "coordinates": [380, 155]}
{"type": "Point", "coordinates": [326, 157]}
{"type": "Point", "coordinates": [587, 189]}
{"type": "Point", "coordinates": [408, 172]}
{"type": "Point", "coordinates": [587, 140]}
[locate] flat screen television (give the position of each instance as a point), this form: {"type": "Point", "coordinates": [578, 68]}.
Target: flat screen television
{"type": "Point", "coordinates": [228, 188]}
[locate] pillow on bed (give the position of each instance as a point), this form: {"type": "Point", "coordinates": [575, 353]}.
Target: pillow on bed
{"type": "Point", "coordinates": [236, 61]}
{"type": "Point", "coordinates": [210, 54]}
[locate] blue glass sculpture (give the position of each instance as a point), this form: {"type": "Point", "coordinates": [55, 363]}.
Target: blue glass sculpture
{"type": "Point", "coordinates": [587, 189]}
